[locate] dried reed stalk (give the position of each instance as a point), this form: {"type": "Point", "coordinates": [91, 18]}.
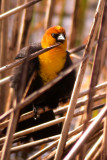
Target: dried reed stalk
{"type": "Point", "coordinates": [61, 110]}
{"type": "Point", "coordinates": [17, 9]}
{"type": "Point", "coordinates": [49, 13]}
{"type": "Point", "coordinates": [15, 115]}
{"type": "Point", "coordinates": [97, 154]}
{"type": "Point", "coordinates": [69, 142]}
{"type": "Point", "coordinates": [91, 128]}
{"type": "Point", "coordinates": [79, 79]}
{"type": "Point", "coordinates": [4, 54]}
{"type": "Point", "coordinates": [51, 156]}
{"type": "Point", "coordinates": [34, 129]}
{"type": "Point", "coordinates": [94, 148]}
{"type": "Point", "coordinates": [96, 70]}
{"type": "Point", "coordinates": [103, 49]}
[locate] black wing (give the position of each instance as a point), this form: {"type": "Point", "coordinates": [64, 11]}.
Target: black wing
{"type": "Point", "coordinates": [32, 66]}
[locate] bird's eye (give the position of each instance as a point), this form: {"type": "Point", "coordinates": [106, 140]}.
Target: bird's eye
{"type": "Point", "coordinates": [54, 35]}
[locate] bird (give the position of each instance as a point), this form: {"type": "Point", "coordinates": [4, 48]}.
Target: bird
{"type": "Point", "coordinates": [46, 66]}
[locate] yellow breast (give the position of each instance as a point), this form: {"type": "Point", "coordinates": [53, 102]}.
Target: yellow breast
{"type": "Point", "coordinates": [51, 63]}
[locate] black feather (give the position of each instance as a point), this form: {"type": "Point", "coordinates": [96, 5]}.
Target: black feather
{"type": "Point", "coordinates": [60, 92]}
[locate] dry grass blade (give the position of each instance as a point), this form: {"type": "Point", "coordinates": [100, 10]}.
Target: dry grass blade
{"type": "Point", "coordinates": [75, 93]}
{"type": "Point", "coordinates": [17, 9]}
{"type": "Point", "coordinates": [86, 135]}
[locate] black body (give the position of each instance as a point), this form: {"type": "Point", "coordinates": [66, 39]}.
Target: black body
{"type": "Point", "coordinates": [60, 92]}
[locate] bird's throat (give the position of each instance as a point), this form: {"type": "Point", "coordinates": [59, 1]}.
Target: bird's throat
{"type": "Point", "coordinates": [51, 63]}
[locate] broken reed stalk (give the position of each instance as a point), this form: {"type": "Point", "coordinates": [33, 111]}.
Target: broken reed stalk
{"type": "Point", "coordinates": [91, 129]}
{"type": "Point", "coordinates": [77, 85]}
{"type": "Point", "coordinates": [17, 9]}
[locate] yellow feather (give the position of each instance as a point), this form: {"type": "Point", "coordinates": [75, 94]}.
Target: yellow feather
{"type": "Point", "coordinates": [51, 63]}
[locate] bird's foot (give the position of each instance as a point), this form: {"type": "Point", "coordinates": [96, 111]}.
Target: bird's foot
{"type": "Point", "coordinates": [38, 110]}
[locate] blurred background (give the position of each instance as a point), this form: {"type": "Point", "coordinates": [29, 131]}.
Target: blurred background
{"type": "Point", "coordinates": [28, 26]}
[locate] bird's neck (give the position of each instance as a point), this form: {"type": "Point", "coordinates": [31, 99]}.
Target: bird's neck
{"type": "Point", "coordinates": [51, 63]}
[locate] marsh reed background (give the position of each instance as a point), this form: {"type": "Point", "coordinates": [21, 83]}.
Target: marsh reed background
{"type": "Point", "coordinates": [85, 125]}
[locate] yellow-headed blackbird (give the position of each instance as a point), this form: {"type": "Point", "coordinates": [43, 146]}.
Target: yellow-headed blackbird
{"type": "Point", "coordinates": [47, 66]}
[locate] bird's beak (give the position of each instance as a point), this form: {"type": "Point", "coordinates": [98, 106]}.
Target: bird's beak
{"type": "Point", "coordinates": [60, 38]}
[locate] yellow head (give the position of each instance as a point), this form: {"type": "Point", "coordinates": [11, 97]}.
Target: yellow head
{"type": "Point", "coordinates": [53, 35]}
{"type": "Point", "coordinates": [52, 61]}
